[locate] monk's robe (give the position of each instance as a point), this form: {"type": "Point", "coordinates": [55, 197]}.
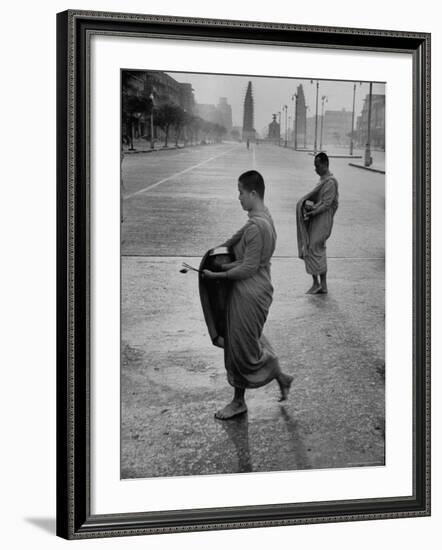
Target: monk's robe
{"type": "Point", "coordinates": [249, 359]}
{"type": "Point", "coordinates": [314, 231]}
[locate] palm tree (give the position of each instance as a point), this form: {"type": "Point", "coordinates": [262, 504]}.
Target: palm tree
{"type": "Point", "coordinates": [166, 116]}
{"type": "Point", "coordinates": [179, 122]}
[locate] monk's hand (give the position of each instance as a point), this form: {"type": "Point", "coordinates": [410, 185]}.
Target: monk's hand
{"type": "Point", "coordinates": [207, 274]}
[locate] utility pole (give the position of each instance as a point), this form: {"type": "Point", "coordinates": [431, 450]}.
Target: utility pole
{"type": "Point", "coordinates": [279, 133]}
{"type": "Point", "coordinates": [305, 131]}
{"type": "Point", "coordinates": [368, 160]}
{"type": "Point", "coordinates": [323, 100]}
{"type": "Point", "coordinates": [288, 131]}
{"type": "Point", "coordinates": [285, 134]}
{"type": "Point", "coordinates": [152, 144]}
{"type": "Point", "coordinates": [295, 121]}
{"type": "Point", "coordinates": [316, 118]}
{"type": "Point", "coordinates": [352, 120]}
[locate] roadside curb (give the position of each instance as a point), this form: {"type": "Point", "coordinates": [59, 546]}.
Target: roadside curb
{"type": "Point", "coordinates": [377, 170]}
{"type": "Point", "coordinates": [340, 156]}
{"type": "Point", "coordinates": [165, 149]}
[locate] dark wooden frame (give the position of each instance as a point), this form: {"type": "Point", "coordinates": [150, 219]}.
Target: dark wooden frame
{"type": "Point", "coordinates": [74, 519]}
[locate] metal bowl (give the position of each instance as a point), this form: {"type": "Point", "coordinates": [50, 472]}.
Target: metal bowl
{"type": "Point", "coordinates": [219, 250]}
{"type": "Point", "coordinates": [218, 257]}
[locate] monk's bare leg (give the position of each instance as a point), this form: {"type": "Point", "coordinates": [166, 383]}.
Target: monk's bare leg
{"type": "Point", "coordinates": [235, 407]}
{"type": "Point", "coordinates": [284, 381]}
{"type": "Point", "coordinates": [315, 287]}
{"type": "Point", "coordinates": [324, 289]}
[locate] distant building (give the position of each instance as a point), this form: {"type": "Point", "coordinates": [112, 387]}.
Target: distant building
{"type": "Point", "coordinates": [208, 112]}
{"type": "Point", "coordinates": [310, 131]}
{"type": "Point", "coordinates": [377, 133]}
{"type": "Point", "coordinates": [218, 114]}
{"type": "Point", "coordinates": [337, 128]}
{"type": "Point", "coordinates": [225, 111]}
{"type": "Point", "coordinates": [187, 98]}
{"type": "Point", "coordinates": [162, 88]}
{"type": "Point", "coordinates": [248, 127]}
{"type": "Point", "coordinates": [274, 134]}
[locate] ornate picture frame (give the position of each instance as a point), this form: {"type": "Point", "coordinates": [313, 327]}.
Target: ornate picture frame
{"type": "Point", "coordinates": [75, 517]}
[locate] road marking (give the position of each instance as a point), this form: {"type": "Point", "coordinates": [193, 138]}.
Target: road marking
{"type": "Point", "coordinates": [178, 174]}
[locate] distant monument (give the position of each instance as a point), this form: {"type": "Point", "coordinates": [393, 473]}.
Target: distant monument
{"type": "Point", "coordinates": [248, 130]}
{"type": "Point", "coordinates": [274, 131]}
{"type": "Point", "coordinates": [301, 118]}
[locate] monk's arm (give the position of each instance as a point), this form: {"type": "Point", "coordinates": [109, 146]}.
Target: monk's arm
{"type": "Point", "coordinates": [234, 238]}
{"type": "Point", "coordinates": [328, 196]}
{"type": "Point", "coordinates": [252, 255]}
{"type": "Point", "coordinates": [231, 265]}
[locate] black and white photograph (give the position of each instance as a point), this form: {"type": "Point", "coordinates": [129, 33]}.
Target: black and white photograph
{"type": "Point", "coordinates": [252, 273]}
{"type": "Point", "coordinates": [222, 258]}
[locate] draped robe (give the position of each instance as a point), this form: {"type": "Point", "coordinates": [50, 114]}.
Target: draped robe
{"type": "Point", "coordinates": [314, 232]}
{"type": "Point", "coordinates": [249, 359]}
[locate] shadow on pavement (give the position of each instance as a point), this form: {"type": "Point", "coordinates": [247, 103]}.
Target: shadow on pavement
{"type": "Point", "coordinates": [302, 461]}
{"type": "Point", "coordinates": [237, 430]}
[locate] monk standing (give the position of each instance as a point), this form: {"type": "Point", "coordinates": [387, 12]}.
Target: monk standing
{"type": "Point", "coordinates": [249, 359]}
{"type": "Point", "coordinates": [314, 218]}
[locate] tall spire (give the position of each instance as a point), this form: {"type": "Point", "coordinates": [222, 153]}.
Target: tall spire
{"type": "Point", "coordinates": [248, 130]}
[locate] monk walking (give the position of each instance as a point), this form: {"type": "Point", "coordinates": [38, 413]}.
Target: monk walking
{"type": "Point", "coordinates": [314, 218]}
{"type": "Point", "coordinates": [249, 359]}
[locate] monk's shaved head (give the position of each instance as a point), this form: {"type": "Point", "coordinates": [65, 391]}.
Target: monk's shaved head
{"type": "Point", "coordinates": [253, 181]}
{"type": "Point", "coordinates": [322, 158]}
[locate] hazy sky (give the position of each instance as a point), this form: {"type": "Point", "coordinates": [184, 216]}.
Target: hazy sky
{"type": "Point", "coordinates": [270, 94]}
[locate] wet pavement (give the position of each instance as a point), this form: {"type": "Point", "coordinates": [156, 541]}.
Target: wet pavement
{"type": "Point", "coordinates": [173, 378]}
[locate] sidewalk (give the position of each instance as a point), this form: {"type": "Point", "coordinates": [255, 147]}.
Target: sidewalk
{"type": "Point", "coordinates": [143, 146]}
{"type": "Point", "coordinates": [378, 164]}
{"type": "Point", "coordinates": [378, 157]}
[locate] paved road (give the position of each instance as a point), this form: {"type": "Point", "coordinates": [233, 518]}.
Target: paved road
{"type": "Point", "coordinates": [180, 203]}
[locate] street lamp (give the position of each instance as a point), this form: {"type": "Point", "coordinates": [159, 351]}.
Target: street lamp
{"type": "Point", "coordinates": [368, 160]}
{"type": "Point", "coordinates": [279, 133]}
{"type": "Point", "coordinates": [295, 120]}
{"type": "Point", "coordinates": [152, 144]}
{"type": "Point", "coordinates": [316, 115]}
{"type": "Point", "coordinates": [285, 133]}
{"type": "Point", "coordinates": [288, 128]}
{"type": "Point", "coordinates": [353, 119]}
{"type": "Point", "coordinates": [323, 100]}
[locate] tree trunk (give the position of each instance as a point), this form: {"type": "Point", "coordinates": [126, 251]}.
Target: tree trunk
{"type": "Point", "coordinates": [131, 134]}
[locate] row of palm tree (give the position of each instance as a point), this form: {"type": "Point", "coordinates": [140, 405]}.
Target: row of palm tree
{"type": "Point", "coordinates": [169, 117]}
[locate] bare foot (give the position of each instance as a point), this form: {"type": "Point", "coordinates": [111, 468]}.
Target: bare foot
{"type": "Point", "coordinates": [313, 289]}
{"type": "Point", "coordinates": [232, 409]}
{"type": "Point", "coordinates": [284, 386]}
